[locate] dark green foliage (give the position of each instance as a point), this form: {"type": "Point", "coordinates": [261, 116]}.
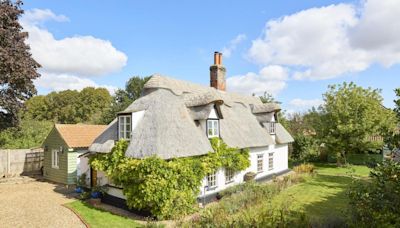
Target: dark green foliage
{"type": "Point", "coordinates": [167, 189]}
{"type": "Point", "coordinates": [349, 116]}
{"type": "Point", "coordinates": [392, 139]}
{"type": "Point", "coordinates": [30, 134]}
{"type": "Point", "coordinates": [70, 106]}
{"type": "Point", "coordinates": [123, 98]}
{"type": "Point", "coordinates": [305, 148]}
{"type": "Point", "coordinates": [376, 203]}
{"type": "Point", "coordinates": [17, 67]}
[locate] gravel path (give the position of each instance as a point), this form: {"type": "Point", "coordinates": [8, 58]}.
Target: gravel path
{"type": "Point", "coordinates": [31, 203]}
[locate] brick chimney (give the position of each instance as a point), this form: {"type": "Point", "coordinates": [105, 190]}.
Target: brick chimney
{"type": "Point", "coordinates": [217, 73]}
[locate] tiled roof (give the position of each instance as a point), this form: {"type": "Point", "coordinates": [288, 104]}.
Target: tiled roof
{"type": "Point", "coordinates": [79, 135]}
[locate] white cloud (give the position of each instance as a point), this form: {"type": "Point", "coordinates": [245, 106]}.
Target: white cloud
{"type": "Point", "coordinates": [36, 16]}
{"type": "Point", "coordinates": [227, 51]}
{"type": "Point", "coordinates": [271, 79]}
{"type": "Point", "coordinates": [378, 31]}
{"type": "Point", "coordinates": [59, 82]}
{"type": "Point", "coordinates": [326, 42]}
{"type": "Point", "coordinates": [67, 63]}
{"type": "Point", "coordinates": [305, 104]}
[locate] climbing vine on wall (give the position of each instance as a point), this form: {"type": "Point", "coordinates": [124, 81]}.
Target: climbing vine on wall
{"type": "Point", "coordinates": [166, 188]}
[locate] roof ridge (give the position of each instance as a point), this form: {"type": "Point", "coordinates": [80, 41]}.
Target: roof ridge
{"type": "Point", "coordinates": [178, 87]}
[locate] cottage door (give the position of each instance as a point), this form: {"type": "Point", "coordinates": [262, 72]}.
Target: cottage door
{"type": "Point", "coordinates": [93, 177]}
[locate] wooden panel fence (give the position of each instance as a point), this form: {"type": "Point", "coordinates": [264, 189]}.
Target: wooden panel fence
{"type": "Point", "coordinates": [20, 162]}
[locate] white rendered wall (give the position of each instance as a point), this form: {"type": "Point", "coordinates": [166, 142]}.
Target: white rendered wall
{"type": "Point", "coordinates": [280, 164]}
{"type": "Point", "coordinates": [114, 191]}
{"type": "Point", "coordinates": [136, 118]}
{"type": "Point", "coordinates": [117, 192]}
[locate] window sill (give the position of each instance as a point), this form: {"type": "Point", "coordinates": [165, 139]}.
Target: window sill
{"type": "Point", "coordinates": [260, 171]}
{"type": "Point", "coordinates": [229, 182]}
{"type": "Point", "coordinates": [211, 137]}
{"type": "Point", "coordinates": [55, 167]}
{"type": "Point", "coordinates": [211, 188]}
{"type": "Point", "coordinates": [113, 186]}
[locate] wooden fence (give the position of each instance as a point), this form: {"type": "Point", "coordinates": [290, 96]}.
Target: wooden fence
{"type": "Point", "coordinates": [20, 161]}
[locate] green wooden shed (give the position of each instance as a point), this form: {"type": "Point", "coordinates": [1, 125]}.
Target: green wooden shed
{"type": "Point", "coordinates": [62, 149]}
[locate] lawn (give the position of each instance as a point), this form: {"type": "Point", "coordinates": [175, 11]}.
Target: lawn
{"type": "Point", "coordinates": [323, 196]}
{"type": "Point", "coordinates": [100, 218]}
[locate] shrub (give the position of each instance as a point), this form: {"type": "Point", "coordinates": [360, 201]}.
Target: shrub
{"type": "Point", "coordinates": [305, 148]}
{"type": "Point", "coordinates": [304, 168]}
{"type": "Point", "coordinates": [376, 203]}
{"type": "Point", "coordinates": [250, 205]}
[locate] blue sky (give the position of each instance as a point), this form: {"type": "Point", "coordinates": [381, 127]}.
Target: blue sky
{"type": "Point", "coordinates": [293, 49]}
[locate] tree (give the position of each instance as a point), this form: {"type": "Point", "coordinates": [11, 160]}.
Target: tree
{"type": "Point", "coordinates": [29, 134]}
{"type": "Point", "coordinates": [349, 116]}
{"type": "Point", "coordinates": [393, 138]}
{"type": "Point", "coordinates": [70, 106]}
{"type": "Point", "coordinates": [123, 98]}
{"type": "Point", "coordinates": [268, 98]}
{"type": "Point", "coordinates": [17, 67]}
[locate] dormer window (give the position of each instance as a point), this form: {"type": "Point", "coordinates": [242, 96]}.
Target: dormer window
{"type": "Point", "coordinates": [272, 128]}
{"type": "Point", "coordinates": [124, 127]}
{"type": "Point", "coordinates": [212, 128]}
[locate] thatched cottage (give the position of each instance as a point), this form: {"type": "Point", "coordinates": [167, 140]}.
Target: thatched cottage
{"type": "Point", "coordinates": [176, 118]}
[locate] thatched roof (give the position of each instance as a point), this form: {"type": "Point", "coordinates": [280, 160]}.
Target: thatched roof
{"type": "Point", "coordinates": [105, 141]}
{"type": "Point", "coordinates": [282, 135]}
{"type": "Point", "coordinates": [168, 127]}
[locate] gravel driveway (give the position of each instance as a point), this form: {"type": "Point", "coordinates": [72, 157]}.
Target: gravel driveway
{"type": "Point", "coordinates": [26, 202]}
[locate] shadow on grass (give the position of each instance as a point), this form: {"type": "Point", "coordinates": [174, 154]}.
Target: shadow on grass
{"type": "Point", "coordinates": [328, 200]}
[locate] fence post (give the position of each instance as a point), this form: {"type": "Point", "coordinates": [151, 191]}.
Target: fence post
{"type": "Point", "coordinates": [8, 164]}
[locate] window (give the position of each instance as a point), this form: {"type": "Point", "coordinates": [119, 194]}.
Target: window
{"type": "Point", "coordinates": [229, 174]}
{"type": "Point", "coordinates": [55, 159]}
{"type": "Point", "coordinates": [260, 162]}
{"type": "Point", "coordinates": [211, 181]}
{"type": "Point", "coordinates": [272, 128]}
{"type": "Point", "coordinates": [124, 128]}
{"type": "Point", "coordinates": [212, 128]}
{"type": "Point", "coordinates": [270, 161]}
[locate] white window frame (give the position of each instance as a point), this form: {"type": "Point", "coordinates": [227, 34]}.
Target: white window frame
{"type": "Point", "coordinates": [270, 161]}
{"type": "Point", "coordinates": [229, 175]}
{"type": "Point", "coordinates": [124, 127]}
{"type": "Point", "coordinates": [212, 128]}
{"type": "Point", "coordinates": [55, 159]}
{"type": "Point", "coordinates": [211, 181]}
{"type": "Point", "coordinates": [272, 127]}
{"type": "Point", "coordinates": [260, 163]}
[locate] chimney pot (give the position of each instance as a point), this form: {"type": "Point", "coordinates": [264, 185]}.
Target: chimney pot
{"type": "Point", "coordinates": [216, 58]}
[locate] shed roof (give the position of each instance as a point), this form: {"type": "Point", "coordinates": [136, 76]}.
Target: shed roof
{"type": "Point", "coordinates": [79, 135]}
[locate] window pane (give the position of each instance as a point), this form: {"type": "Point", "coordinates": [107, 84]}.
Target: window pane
{"type": "Point", "coordinates": [211, 180]}
{"type": "Point", "coordinates": [260, 162]}
{"type": "Point", "coordinates": [229, 174]}
{"type": "Point", "coordinates": [270, 161]}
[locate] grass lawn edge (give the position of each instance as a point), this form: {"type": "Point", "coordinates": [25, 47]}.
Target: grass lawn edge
{"type": "Point", "coordinates": [76, 213]}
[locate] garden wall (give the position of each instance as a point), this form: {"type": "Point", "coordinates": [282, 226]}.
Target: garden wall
{"type": "Point", "coordinates": [20, 161]}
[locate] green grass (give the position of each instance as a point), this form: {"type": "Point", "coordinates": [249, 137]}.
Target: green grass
{"type": "Point", "coordinates": [98, 218]}
{"type": "Point", "coordinates": [323, 196]}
